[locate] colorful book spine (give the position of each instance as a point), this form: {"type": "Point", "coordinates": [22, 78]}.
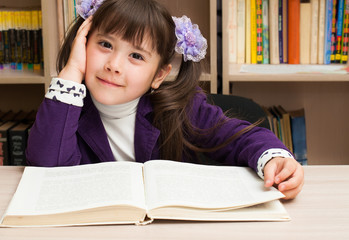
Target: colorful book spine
{"type": "Point", "coordinates": [6, 39]}
{"type": "Point", "coordinates": [293, 31]}
{"type": "Point", "coordinates": [253, 32]}
{"type": "Point", "coordinates": [280, 24]}
{"type": "Point", "coordinates": [333, 31]}
{"type": "Point", "coordinates": [265, 20]}
{"type": "Point", "coordinates": [339, 26]}
{"type": "Point", "coordinates": [18, 41]}
{"type": "Point", "coordinates": [259, 32]}
{"type": "Point", "coordinates": [284, 31]}
{"type": "Point", "coordinates": [345, 41]}
{"type": "Point", "coordinates": [328, 31]}
{"type": "Point", "coordinates": [1, 41]}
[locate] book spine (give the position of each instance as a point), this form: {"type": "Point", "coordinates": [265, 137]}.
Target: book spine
{"type": "Point", "coordinates": [36, 41]}
{"type": "Point", "coordinates": [280, 29]}
{"type": "Point", "coordinates": [273, 32]}
{"type": "Point", "coordinates": [241, 32]}
{"type": "Point", "coordinates": [333, 31]}
{"type": "Point", "coordinates": [232, 31]}
{"type": "Point", "coordinates": [299, 139]}
{"type": "Point", "coordinates": [345, 42]}
{"type": "Point", "coordinates": [328, 32]}
{"type": "Point", "coordinates": [1, 41]}
{"type": "Point", "coordinates": [322, 12]}
{"type": "Point", "coordinates": [305, 30]}
{"type": "Point", "coordinates": [18, 144]}
{"type": "Point", "coordinates": [285, 30]}
{"type": "Point", "coordinates": [314, 37]}
{"type": "Point", "coordinates": [265, 19]}
{"type": "Point", "coordinates": [29, 57]}
{"type": "Point", "coordinates": [6, 34]}
{"type": "Point", "coordinates": [259, 31]}
{"type": "Point", "coordinates": [18, 41]}
{"type": "Point", "coordinates": [339, 26]}
{"type": "Point", "coordinates": [293, 31]}
{"type": "Point", "coordinates": [248, 32]}
{"type": "Point", "coordinates": [253, 32]}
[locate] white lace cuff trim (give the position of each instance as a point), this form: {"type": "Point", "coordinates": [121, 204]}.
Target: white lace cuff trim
{"type": "Point", "coordinates": [267, 156]}
{"type": "Point", "coordinates": [66, 91]}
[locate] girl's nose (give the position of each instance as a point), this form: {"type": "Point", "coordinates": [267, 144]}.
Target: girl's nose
{"type": "Point", "coordinates": [113, 64]}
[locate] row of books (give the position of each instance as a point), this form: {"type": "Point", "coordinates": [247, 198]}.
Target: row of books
{"type": "Point", "coordinates": [21, 39]}
{"type": "Point", "coordinates": [290, 128]}
{"type": "Point", "coordinates": [288, 31]}
{"type": "Point", "coordinates": [14, 129]}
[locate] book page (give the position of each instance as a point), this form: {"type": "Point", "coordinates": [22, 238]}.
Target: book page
{"type": "Point", "coordinates": [63, 189]}
{"type": "Point", "coordinates": [213, 187]}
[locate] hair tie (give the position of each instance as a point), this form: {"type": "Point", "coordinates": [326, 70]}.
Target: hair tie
{"type": "Point", "coordinates": [190, 41]}
{"type": "Point", "coordinates": [86, 8]}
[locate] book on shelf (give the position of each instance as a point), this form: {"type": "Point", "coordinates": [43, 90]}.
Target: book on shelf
{"type": "Point", "coordinates": [20, 42]}
{"type": "Point", "coordinates": [253, 31]}
{"type": "Point", "coordinates": [259, 25]}
{"type": "Point", "coordinates": [339, 28]}
{"type": "Point", "coordinates": [232, 31]}
{"type": "Point", "coordinates": [265, 29]}
{"type": "Point", "coordinates": [14, 128]}
{"type": "Point", "coordinates": [290, 128]}
{"type": "Point", "coordinates": [136, 193]}
{"type": "Point", "coordinates": [345, 42]}
{"type": "Point", "coordinates": [305, 30]}
{"type": "Point", "coordinates": [321, 32]}
{"type": "Point", "coordinates": [314, 31]}
{"type": "Point", "coordinates": [241, 9]}
{"type": "Point", "coordinates": [299, 139]}
{"type": "Point", "coordinates": [292, 31]}
{"type": "Point", "coordinates": [328, 31]}
{"type": "Point", "coordinates": [248, 32]}
{"type": "Point", "coordinates": [334, 31]}
{"type": "Point", "coordinates": [274, 31]}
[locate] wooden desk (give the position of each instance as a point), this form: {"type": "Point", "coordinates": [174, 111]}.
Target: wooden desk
{"type": "Point", "coordinates": [321, 211]}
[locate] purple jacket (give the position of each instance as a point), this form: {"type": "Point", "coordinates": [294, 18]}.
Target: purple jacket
{"type": "Point", "coordinates": [65, 135]}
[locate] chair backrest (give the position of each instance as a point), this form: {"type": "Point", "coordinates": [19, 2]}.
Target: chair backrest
{"type": "Point", "coordinates": [240, 107]}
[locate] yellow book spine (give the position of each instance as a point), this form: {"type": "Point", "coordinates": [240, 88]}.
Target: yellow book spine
{"type": "Point", "coordinates": [253, 32]}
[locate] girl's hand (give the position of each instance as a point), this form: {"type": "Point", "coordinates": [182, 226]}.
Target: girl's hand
{"type": "Point", "coordinates": [75, 68]}
{"type": "Point", "coordinates": [286, 173]}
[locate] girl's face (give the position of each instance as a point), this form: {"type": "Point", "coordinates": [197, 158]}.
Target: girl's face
{"type": "Point", "coordinates": [117, 71]}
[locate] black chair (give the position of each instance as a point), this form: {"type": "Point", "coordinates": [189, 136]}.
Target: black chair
{"type": "Point", "coordinates": [241, 108]}
{"type": "Point", "coordinates": [237, 107]}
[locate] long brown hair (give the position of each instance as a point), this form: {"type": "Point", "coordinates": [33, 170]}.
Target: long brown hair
{"type": "Point", "coordinates": [134, 20]}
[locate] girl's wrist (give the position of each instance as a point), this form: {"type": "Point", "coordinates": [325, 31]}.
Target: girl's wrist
{"type": "Point", "coordinates": [71, 74]}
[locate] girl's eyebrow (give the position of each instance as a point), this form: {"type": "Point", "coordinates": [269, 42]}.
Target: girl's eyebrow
{"type": "Point", "coordinates": [112, 38]}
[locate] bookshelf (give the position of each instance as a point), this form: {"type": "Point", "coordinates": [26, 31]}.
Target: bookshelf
{"type": "Point", "coordinates": [324, 97]}
{"type": "Point", "coordinates": [14, 83]}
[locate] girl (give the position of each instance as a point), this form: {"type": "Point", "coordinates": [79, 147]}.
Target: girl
{"type": "Point", "coordinates": [127, 112]}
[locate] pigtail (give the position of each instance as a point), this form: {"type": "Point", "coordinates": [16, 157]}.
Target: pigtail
{"type": "Point", "coordinates": [172, 103]}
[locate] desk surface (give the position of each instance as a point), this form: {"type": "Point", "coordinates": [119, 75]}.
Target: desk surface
{"type": "Point", "coordinates": [321, 211]}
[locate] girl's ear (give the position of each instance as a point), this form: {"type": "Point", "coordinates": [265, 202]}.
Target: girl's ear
{"type": "Point", "coordinates": [160, 76]}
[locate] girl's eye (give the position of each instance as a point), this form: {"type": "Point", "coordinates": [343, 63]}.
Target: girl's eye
{"type": "Point", "coordinates": [136, 56]}
{"type": "Point", "coordinates": [105, 44]}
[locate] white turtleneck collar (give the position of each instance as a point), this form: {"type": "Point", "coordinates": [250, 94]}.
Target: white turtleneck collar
{"type": "Point", "coordinates": [119, 124]}
{"type": "Point", "coordinates": [116, 111]}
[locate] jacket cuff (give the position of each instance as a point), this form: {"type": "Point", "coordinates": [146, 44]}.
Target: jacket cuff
{"type": "Point", "coordinates": [267, 156]}
{"type": "Point", "coordinates": [67, 92]}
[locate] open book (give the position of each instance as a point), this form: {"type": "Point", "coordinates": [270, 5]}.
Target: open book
{"type": "Point", "coordinates": [129, 192]}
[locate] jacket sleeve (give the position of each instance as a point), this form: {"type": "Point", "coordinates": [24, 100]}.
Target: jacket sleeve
{"type": "Point", "coordinates": [52, 139]}
{"type": "Point", "coordinates": [242, 151]}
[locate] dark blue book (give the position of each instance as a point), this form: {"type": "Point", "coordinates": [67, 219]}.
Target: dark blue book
{"type": "Point", "coordinates": [299, 140]}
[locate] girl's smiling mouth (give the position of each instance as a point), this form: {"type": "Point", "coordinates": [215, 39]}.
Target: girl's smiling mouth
{"type": "Point", "coordinates": [108, 83]}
